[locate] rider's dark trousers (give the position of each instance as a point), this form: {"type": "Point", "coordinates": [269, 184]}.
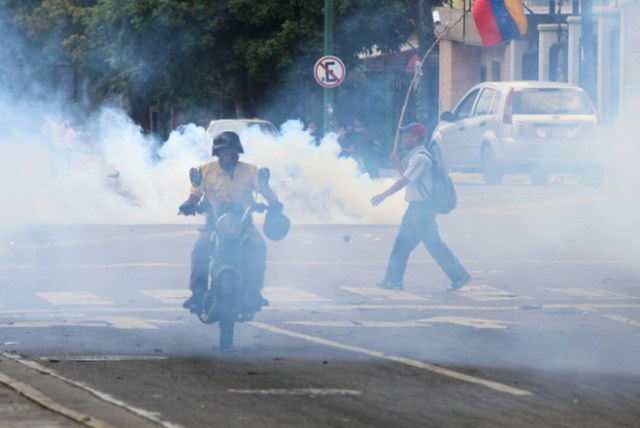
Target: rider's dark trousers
{"type": "Point", "coordinates": [254, 261]}
{"type": "Point", "coordinates": [419, 225]}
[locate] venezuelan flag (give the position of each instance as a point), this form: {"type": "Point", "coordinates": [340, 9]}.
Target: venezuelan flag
{"type": "Point", "coordinates": [499, 20]}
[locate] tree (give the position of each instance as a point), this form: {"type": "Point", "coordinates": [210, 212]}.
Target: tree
{"type": "Point", "coordinates": [231, 55]}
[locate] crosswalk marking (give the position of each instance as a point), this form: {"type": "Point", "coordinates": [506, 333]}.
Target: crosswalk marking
{"type": "Point", "coordinates": [487, 293]}
{"type": "Point", "coordinates": [273, 294]}
{"type": "Point", "coordinates": [120, 323]}
{"type": "Point", "coordinates": [590, 293]}
{"type": "Point", "coordinates": [622, 319]}
{"type": "Point", "coordinates": [382, 294]}
{"type": "Point", "coordinates": [478, 323]}
{"type": "Point", "coordinates": [367, 324]}
{"type": "Point", "coordinates": [290, 294]}
{"type": "Point", "coordinates": [72, 298]}
{"type": "Point", "coordinates": [168, 296]}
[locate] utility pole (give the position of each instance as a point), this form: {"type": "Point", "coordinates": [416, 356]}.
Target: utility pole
{"type": "Point", "coordinates": [588, 76]}
{"type": "Point", "coordinates": [328, 50]}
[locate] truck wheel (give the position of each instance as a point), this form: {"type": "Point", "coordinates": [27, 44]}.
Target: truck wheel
{"type": "Point", "coordinates": [491, 171]}
{"type": "Point", "coordinates": [593, 177]}
{"type": "Point", "coordinates": [539, 176]}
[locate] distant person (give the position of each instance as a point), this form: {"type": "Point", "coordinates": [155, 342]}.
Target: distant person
{"type": "Point", "coordinates": [61, 137]}
{"type": "Point", "coordinates": [312, 128]}
{"type": "Point", "coordinates": [364, 149]}
{"type": "Point", "coordinates": [419, 221]}
{"type": "Point", "coordinates": [347, 144]}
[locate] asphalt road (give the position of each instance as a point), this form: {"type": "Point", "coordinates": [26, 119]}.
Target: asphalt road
{"type": "Point", "coordinates": [547, 333]}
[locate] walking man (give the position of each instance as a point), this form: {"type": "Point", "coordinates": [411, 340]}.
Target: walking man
{"type": "Point", "coordinates": [419, 221]}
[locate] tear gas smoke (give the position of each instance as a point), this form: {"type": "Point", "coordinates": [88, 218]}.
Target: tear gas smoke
{"type": "Point", "coordinates": [111, 172]}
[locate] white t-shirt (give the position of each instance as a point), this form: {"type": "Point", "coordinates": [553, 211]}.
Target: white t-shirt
{"type": "Point", "coordinates": [418, 173]}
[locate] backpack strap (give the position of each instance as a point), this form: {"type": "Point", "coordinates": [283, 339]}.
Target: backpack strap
{"type": "Point", "coordinates": [421, 185]}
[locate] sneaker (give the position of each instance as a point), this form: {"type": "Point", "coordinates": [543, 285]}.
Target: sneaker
{"type": "Point", "coordinates": [457, 285]}
{"type": "Point", "coordinates": [388, 285]}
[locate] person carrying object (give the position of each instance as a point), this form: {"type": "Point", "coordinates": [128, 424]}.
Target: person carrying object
{"type": "Point", "coordinates": [419, 220]}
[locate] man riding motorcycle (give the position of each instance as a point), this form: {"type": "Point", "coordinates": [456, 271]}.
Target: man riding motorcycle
{"type": "Point", "coordinates": [228, 181]}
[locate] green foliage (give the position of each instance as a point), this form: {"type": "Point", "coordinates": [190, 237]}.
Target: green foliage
{"type": "Point", "coordinates": [204, 52]}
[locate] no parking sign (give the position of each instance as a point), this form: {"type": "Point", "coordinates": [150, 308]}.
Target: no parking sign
{"type": "Point", "coordinates": [329, 71]}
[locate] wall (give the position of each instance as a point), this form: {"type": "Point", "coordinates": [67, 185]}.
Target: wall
{"type": "Point", "coordinates": [458, 71]}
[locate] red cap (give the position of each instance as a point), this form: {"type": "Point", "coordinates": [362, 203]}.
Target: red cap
{"type": "Point", "coordinates": [415, 128]}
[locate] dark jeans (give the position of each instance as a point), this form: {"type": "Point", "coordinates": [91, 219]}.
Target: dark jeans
{"type": "Point", "coordinates": [254, 261]}
{"type": "Point", "coordinates": [419, 225]}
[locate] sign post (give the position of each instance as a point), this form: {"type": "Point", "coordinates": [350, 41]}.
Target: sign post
{"type": "Point", "coordinates": [328, 50]}
{"type": "Point", "coordinates": [329, 72]}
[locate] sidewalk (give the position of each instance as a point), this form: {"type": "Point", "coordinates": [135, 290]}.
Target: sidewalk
{"type": "Point", "coordinates": [34, 396]}
{"type": "Point", "coordinates": [17, 411]}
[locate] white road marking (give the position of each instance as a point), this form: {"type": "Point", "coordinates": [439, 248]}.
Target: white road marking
{"type": "Point", "coordinates": [406, 361]}
{"type": "Point", "coordinates": [120, 323]}
{"type": "Point", "coordinates": [72, 298]}
{"type": "Point", "coordinates": [168, 296]}
{"type": "Point", "coordinates": [290, 294]}
{"type": "Point", "coordinates": [487, 293]}
{"type": "Point", "coordinates": [478, 323]}
{"type": "Point", "coordinates": [296, 391]}
{"type": "Point", "coordinates": [366, 324]}
{"type": "Point", "coordinates": [622, 319]}
{"type": "Point", "coordinates": [130, 323]}
{"type": "Point", "coordinates": [152, 416]}
{"type": "Point", "coordinates": [82, 312]}
{"type": "Point", "coordinates": [102, 358]}
{"type": "Point", "coordinates": [591, 293]}
{"type": "Point", "coordinates": [382, 294]}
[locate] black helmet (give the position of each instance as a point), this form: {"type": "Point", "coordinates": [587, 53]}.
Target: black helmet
{"type": "Point", "coordinates": [226, 139]}
{"type": "Point", "coordinates": [276, 225]}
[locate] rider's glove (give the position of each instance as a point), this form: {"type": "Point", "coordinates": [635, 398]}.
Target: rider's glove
{"type": "Point", "coordinates": [187, 208]}
{"type": "Point", "coordinates": [276, 207]}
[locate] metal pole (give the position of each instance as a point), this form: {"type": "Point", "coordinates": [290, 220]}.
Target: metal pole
{"type": "Point", "coordinates": [328, 50]}
{"type": "Point", "coordinates": [588, 78]}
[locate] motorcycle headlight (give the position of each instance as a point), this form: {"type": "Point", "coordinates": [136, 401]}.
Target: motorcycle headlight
{"type": "Point", "coordinates": [229, 226]}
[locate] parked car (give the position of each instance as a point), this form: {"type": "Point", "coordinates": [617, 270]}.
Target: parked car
{"type": "Point", "coordinates": [529, 127]}
{"type": "Point", "coordinates": [240, 125]}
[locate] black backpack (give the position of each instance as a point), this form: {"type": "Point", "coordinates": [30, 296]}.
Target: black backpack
{"type": "Point", "coordinates": [443, 193]}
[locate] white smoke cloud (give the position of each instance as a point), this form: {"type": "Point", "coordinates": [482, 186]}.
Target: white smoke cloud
{"type": "Point", "coordinates": [112, 173]}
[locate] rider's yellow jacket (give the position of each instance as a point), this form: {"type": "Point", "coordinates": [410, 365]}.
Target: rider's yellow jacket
{"type": "Point", "coordinates": [219, 187]}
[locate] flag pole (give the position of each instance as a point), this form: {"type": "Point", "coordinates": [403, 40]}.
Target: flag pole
{"type": "Point", "coordinates": [416, 76]}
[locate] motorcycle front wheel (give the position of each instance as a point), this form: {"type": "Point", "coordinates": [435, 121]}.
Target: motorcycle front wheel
{"type": "Point", "coordinates": [226, 284]}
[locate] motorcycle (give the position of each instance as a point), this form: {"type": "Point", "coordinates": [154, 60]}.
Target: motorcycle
{"type": "Point", "coordinates": [226, 299]}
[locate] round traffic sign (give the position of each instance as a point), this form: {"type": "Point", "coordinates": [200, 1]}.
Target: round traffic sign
{"type": "Point", "coordinates": [329, 71]}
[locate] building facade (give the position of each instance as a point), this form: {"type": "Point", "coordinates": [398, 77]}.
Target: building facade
{"type": "Point", "coordinates": [552, 49]}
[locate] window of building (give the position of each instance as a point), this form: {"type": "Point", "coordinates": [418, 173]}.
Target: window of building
{"type": "Point", "coordinates": [495, 71]}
